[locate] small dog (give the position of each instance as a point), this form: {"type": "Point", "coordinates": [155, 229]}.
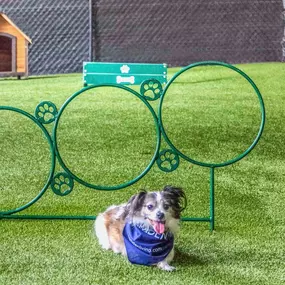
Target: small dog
{"type": "Point", "coordinates": [143, 229]}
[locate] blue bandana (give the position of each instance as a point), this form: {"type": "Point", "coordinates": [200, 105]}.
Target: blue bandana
{"type": "Point", "coordinates": [144, 246]}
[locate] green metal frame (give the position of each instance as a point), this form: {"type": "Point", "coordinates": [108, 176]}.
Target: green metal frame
{"type": "Point", "coordinates": [170, 156]}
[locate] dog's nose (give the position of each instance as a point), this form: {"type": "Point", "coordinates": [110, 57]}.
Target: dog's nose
{"type": "Point", "coordinates": [160, 215]}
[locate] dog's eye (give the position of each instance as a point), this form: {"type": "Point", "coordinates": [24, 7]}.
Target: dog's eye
{"type": "Point", "coordinates": [166, 207]}
{"type": "Point", "coordinates": [150, 207]}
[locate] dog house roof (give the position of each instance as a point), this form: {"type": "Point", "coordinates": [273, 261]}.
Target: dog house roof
{"type": "Point", "coordinates": [15, 26]}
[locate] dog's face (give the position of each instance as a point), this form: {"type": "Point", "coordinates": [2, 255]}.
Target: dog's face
{"type": "Point", "coordinates": [158, 209]}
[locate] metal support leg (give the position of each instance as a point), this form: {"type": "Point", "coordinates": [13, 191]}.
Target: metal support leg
{"type": "Point", "coordinates": [212, 199]}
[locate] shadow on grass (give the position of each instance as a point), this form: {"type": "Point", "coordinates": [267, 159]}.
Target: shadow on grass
{"type": "Point", "coordinates": [186, 259]}
{"type": "Point", "coordinates": [182, 82]}
{"type": "Point", "coordinates": [42, 77]}
{"type": "Point", "coordinates": [14, 79]}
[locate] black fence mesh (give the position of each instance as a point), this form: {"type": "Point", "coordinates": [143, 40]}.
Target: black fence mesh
{"type": "Point", "coordinates": [176, 32]}
{"type": "Point", "coordinates": [283, 40]}
{"type": "Point", "coordinates": [180, 32]}
{"type": "Point", "coordinates": [59, 31]}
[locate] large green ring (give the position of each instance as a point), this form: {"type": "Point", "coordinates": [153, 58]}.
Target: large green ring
{"type": "Point", "coordinates": [262, 110]}
{"type": "Point", "coordinates": [52, 167]}
{"type": "Point", "coordinates": [102, 187]}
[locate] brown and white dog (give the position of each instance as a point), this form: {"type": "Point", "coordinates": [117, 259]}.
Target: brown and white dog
{"type": "Point", "coordinates": [143, 229]}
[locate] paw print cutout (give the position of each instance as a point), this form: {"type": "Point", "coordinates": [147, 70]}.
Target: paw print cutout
{"type": "Point", "coordinates": [46, 112]}
{"type": "Point", "coordinates": [62, 184]}
{"type": "Point", "coordinates": [151, 89]}
{"type": "Point", "coordinates": [168, 160]}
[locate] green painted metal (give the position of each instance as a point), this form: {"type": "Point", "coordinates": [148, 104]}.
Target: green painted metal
{"type": "Point", "coordinates": [262, 111]}
{"type": "Point", "coordinates": [122, 73]}
{"type": "Point", "coordinates": [46, 112]}
{"type": "Point", "coordinates": [151, 89]}
{"type": "Point", "coordinates": [102, 187]}
{"type": "Point", "coordinates": [62, 184]}
{"type": "Point", "coordinates": [212, 166]}
{"type": "Point", "coordinates": [167, 159]}
{"type": "Point", "coordinates": [52, 165]}
{"type": "Point", "coordinates": [46, 217]}
{"type": "Point", "coordinates": [212, 198]}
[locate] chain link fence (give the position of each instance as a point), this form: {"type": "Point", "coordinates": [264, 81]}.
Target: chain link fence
{"type": "Point", "coordinates": [180, 32]}
{"type": "Point", "coordinates": [283, 40]}
{"type": "Point", "coordinates": [174, 32]}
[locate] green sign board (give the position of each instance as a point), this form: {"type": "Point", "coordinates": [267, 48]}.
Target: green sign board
{"type": "Point", "coordinates": [122, 73]}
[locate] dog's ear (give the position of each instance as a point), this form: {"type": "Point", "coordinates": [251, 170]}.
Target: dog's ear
{"type": "Point", "coordinates": [176, 196]}
{"type": "Point", "coordinates": [135, 203]}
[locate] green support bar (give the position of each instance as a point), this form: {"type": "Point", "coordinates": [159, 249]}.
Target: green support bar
{"type": "Point", "coordinates": [47, 217]}
{"type": "Point", "coordinates": [62, 183]}
{"type": "Point", "coordinates": [212, 199]}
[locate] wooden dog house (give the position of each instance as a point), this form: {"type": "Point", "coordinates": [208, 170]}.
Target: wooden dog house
{"type": "Point", "coordinates": [13, 49]}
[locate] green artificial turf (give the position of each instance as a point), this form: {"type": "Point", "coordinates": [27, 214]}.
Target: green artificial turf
{"type": "Point", "coordinates": [107, 137]}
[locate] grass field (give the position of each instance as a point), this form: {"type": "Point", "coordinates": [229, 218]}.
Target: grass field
{"type": "Point", "coordinates": [107, 137]}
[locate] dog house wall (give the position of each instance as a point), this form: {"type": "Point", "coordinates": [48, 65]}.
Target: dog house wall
{"type": "Point", "coordinates": [13, 49]}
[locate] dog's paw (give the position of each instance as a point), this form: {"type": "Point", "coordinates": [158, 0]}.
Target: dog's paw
{"type": "Point", "coordinates": [165, 266]}
{"type": "Point", "coordinates": [105, 246]}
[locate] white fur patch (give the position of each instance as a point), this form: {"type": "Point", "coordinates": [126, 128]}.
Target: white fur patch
{"type": "Point", "coordinates": [101, 232]}
{"type": "Point", "coordinates": [121, 211]}
{"type": "Point", "coordinates": [158, 196]}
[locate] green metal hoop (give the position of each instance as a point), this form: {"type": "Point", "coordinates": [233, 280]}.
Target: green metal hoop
{"type": "Point", "coordinates": [52, 167]}
{"type": "Point", "coordinates": [262, 110]}
{"type": "Point", "coordinates": [101, 187]}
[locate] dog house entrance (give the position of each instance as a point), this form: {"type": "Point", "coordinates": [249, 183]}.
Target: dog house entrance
{"type": "Point", "coordinates": [7, 53]}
